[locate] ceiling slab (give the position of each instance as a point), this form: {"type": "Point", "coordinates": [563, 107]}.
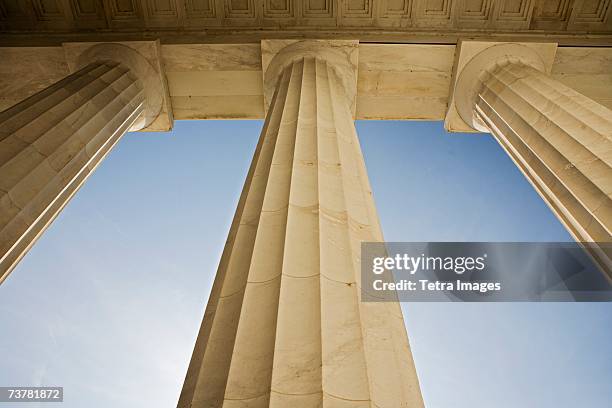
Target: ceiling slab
{"type": "Point", "coordinates": [567, 22]}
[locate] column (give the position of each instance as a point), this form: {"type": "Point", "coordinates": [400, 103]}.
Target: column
{"type": "Point", "coordinates": [284, 325]}
{"type": "Point", "coordinates": [560, 139]}
{"type": "Point", "coordinates": [51, 142]}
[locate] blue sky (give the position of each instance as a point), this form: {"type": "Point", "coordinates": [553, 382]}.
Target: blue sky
{"type": "Point", "coordinates": [108, 303]}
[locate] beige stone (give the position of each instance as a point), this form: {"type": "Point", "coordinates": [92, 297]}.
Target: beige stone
{"type": "Point", "coordinates": [585, 70]}
{"type": "Point", "coordinates": [52, 141]}
{"type": "Point", "coordinates": [143, 59]}
{"type": "Point", "coordinates": [292, 254]}
{"type": "Point", "coordinates": [540, 54]}
{"type": "Point", "coordinates": [225, 81]}
{"type": "Point", "coordinates": [560, 139]}
{"type": "Point", "coordinates": [232, 21]}
{"type": "Point", "coordinates": [284, 325]}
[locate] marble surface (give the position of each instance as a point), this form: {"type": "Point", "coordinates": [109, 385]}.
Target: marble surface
{"type": "Point", "coordinates": [254, 20]}
{"type": "Point", "coordinates": [561, 141]}
{"type": "Point", "coordinates": [27, 70]}
{"type": "Point", "coordinates": [403, 82]}
{"type": "Point", "coordinates": [284, 326]}
{"type": "Point", "coordinates": [213, 81]}
{"type": "Point", "coordinates": [225, 81]}
{"type": "Point", "coordinates": [155, 81]}
{"type": "Point", "coordinates": [587, 70]}
{"type": "Point", "coordinates": [471, 59]}
{"type": "Point", "coordinates": [341, 55]}
{"type": "Point", "coordinates": [51, 143]}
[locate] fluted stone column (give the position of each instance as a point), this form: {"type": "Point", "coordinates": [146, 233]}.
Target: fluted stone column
{"type": "Point", "coordinates": [284, 325]}
{"type": "Point", "coordinates": [51, 142]}
{"type": "Point", "coordinates": [560, 139]}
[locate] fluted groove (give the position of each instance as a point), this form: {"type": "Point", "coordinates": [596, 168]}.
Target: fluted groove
{"type": "Point", "coordinates": [296, 371]}
{"type": "Point", "coordinates": [568, 119]}
{"type": "Point", "coordinates": [251, 366]}
{"type": "Point", "coordinates": [207, 375]}
{"type": "Point", "coordinates": [284, 325]}
{"type": "Point", "coordinates": [20, 109]}
{"type": "Point", "coordinates": [561, 140]}
{"type": "Point", "coordinates": [48, 111]}
{"type": "Point", "coordinates": [51, 142]}
{"type": "Point", "coordinates": [565, 152]}
{"type": "Point", "coordinates": [345, 376]}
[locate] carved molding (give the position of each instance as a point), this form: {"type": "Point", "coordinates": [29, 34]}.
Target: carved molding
{"type": "Point", "coordinates": [395, 8]}
{"type": "Point", "coordinates": [318, 8]}
{"type": "Point", "coordinates": [357, 8]}
{"type": "Point", "coordinates": [592, 11]}
{"type": "Point", "coordinates": [278, 9]}
{"type": "Point", "coordinates": [474, 10]}
{"type": "Point", "coordinates": [580, 16]}
{"type": "Point", "coordinates": [161, 8]}
{"type": "Point", "coordinates": [48, 10]}
{"type": "Point", "coordinates": [200, 8]}
{"type": "Point", "coordinates": [240, 9]}
{"type": "Point", "coordinates": [434, 13]}
{"type": "Point", "coordinates": [88, 10]}
{"type": "Point", "coordinates": [124, 13]}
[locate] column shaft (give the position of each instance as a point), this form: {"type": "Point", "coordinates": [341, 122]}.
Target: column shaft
{"type": "Point", "coordinates": [51, 142]}
{"type": "Point", "coordinates": [284, 325]}
{"type": "Point", "coordinates": [562, 142]}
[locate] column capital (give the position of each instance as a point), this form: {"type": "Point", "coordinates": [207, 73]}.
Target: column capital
{"type": "Point", "coordinates": [142, 58]}
{"type": "Point", "coordinates": [473, 59]}
{"type": "Point", "coordinates": [341, 55]}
